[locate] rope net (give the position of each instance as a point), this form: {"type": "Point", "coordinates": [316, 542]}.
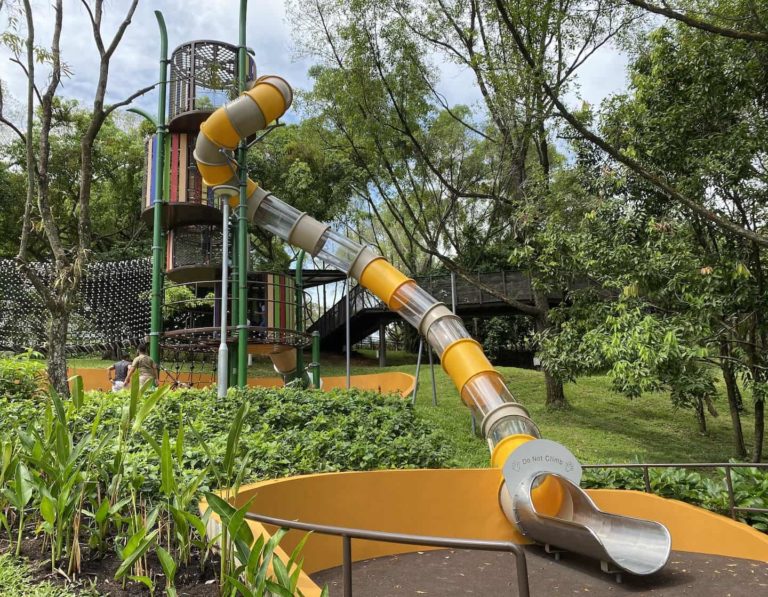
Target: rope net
{"type": "Point", "coordinates": [113, 307]}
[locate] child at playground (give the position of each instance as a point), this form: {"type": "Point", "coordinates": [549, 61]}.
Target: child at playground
{"type": "Point", "coordinates": [120, 369]}
{"type": "Point", "coordinates": [146, 367]}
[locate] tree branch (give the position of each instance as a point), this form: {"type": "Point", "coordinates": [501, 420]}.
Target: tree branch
{"type": "Point", "coordinates": [8, 123]}
{"type": "Point", "coordinates": [697, 23]}
{"type": "Point", "coordinates": [136, 94]}
{"type": "Point", "coordinates": [654, 179]}
{"type": "Point", "coordinates": [34, 86]}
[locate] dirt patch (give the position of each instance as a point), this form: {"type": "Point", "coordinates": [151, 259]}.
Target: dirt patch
{"type": "Point", "coordinates": [98, 573]}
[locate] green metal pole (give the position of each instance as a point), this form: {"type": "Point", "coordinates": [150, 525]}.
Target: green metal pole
{"type": "Point", "coordinates": [316, 359]}
{"type": "Point", "coordinates": [242, 221]}
{"type": "Point", "coordinates": [300, 313]}
{"type": "Point", "coordinates": [234, 311]}
{"type": "Point", "coordinates": [156, 321]}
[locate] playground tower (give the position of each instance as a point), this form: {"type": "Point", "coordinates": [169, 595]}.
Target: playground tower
{"type": "Point", "coordinates": [193, 291]}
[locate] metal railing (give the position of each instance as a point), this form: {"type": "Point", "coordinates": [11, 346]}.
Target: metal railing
{"type": "Point", "coordinates": [514, 284]}
{"type": "Point", "coordinates": [359, 299]}
{"type": "Point", "coordinates": [727, 466]}
{"type": "Point", "coordinates": [347, 534]}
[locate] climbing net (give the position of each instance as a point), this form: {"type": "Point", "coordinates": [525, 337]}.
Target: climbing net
{"type": "Point", "coordinates": [113, 307]}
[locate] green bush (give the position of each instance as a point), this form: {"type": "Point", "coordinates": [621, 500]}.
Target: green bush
{"type": "Point", "coordinates": [286, 432]}
{"type": "Point", "coordinates": [124, 471]}
{"type": "Point", "coordinates": [21, 376]}
{"type": "Point", "coordinates": [750, 488]}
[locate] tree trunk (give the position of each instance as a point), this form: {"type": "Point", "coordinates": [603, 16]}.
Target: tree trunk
{"type": "Point", "coordinates": [58, 324]}
{"type": "Point", "coordinates": [555, 394]}
{"type": "Point", "coordinates": [757, 454]}
{"type": "Point", "coordinates": [734, 402]}
{"type": "Point", "coordinates": [701, 417]}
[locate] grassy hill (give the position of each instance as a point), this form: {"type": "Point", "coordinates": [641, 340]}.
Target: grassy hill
{"type": "Point", "coordinates": [600, 426]}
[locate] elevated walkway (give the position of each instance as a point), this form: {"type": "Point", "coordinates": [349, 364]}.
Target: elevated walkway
{"type": "Point", "coordinates": [367, 312]}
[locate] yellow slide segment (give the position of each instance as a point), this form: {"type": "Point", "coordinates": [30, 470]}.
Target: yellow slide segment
{"type": "Point", "coordinates": [545, 502]}
{"type": "Point", "coordinates": [504, 422]}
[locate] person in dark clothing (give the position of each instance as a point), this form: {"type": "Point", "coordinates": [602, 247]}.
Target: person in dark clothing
{"type": "Point", "coordinates": [118, 372]}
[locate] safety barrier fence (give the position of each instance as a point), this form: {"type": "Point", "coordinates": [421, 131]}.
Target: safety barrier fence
{"type": "Point", "coordinates": [348, 534]}
{"type": "Point", "coordinates": [727, 467]}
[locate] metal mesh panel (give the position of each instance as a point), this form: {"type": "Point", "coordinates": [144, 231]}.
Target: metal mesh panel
{"type": "Point", "coordinates": [196, 245]}
{"type": "Point", "coordinates": [203, 76]}
{"type": "Point", "coordinates": [113, 306]}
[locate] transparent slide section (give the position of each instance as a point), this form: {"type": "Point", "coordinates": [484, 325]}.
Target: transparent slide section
{"type": "Point", "coordinates": [545, 505]}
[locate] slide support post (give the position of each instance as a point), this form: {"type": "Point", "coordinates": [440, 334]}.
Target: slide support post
{"type": "Point", "coordinates": [156, 320]}
{"type": "Point", "coordinates": [242, 220]}
{"type": "Point", "coordinates": [299, 288]}
{"type": "Point", "coordinates": [316, 359]}
{"type": "Point", "coordinates": [347, 332]}
{"type": "Point", "coordinates": [223, 363]}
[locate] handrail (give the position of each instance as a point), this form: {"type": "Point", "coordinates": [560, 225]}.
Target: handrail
{"type": "Point", "coordinates": [347, 534]}
{"type": "Point", "coordinates": [508, 282]}
{"type": "Point", "coordinates": [733, 508]}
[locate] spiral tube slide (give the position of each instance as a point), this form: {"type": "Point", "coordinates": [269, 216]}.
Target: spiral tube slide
{"type": "Point", "coordinates": [506, 424]}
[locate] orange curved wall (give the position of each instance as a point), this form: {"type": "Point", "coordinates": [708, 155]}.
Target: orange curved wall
{"type": "Point", "coordinates": [383, 383]}
{"type": "Point", "coordinates": [457, 503]}
{"type": "Point", "coordinates": [394, 382]}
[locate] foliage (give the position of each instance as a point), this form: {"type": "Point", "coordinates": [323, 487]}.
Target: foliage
{"type": "Point", "coordinates": [750, 488]}
{"type": "Point", "coordinates": [251, 576]}
{"type": "Point", "coordinates": [15, 581]}
{"type": "Point", "coordinates": [21, 376]}
{"type": "Point", "coordinates": [125, 471]}
{"type": "Point", "coordinates": [12, 192]}
{"type": "Point", "coordinates": [293, 431]}
{"type": "Point", "coordinates": [499, 335]}
{"type": "Point", "coordinates": [670, 291]}
{"type": "Point", "coordinates": [118, 162]}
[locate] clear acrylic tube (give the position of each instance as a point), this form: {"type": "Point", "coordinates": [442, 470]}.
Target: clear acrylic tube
{"type": "Point", "coordinates": [276, 217]}
{"type": "Point", "coordinates": [412, 302]}
{"type": "Point", "coordinates": [444, 332]}
{"type": "Point", "coordinates": [486, 391]}
{"type": "Point", "coordinates": [511, 425]}
{"type": "Point", "coordinates": [338, 250]}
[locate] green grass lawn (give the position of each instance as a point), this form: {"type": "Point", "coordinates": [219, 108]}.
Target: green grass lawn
{"type": "Point", "coordinates": [599, 427]}
{"type": "Point", "coordinates": [15, 581]}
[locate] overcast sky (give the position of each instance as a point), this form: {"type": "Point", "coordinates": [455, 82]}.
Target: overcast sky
{"type": "Point", "coordinates": [269, 34]}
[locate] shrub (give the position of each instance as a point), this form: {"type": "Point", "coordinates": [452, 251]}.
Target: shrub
{"type": "Point", "coordinates": [125, 471]}
{"type": "Point", "coordinates": [21, 376]}
{"type": "Point", "coordinates": [750, 488]}
{"type": "Point", "coordinates": [285, 432]}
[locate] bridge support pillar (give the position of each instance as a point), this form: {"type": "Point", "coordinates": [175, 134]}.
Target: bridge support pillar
{"type": "Point", "coordinates": [382, 344]}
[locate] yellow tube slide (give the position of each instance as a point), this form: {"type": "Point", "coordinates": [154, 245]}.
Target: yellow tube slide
{"type": "Point", "coordinates": [504, 422]}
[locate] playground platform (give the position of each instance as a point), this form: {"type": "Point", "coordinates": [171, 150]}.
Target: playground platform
{"type": "Point", "coordinates": [712, 554]}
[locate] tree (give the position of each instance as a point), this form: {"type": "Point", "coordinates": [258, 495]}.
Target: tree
{"type": "Point", "coordinates": [12, 207]}
{"type": "Point", "coordinates": [69, 256]}
{"type": "Point", "coordinates": [508, 13]}
{"type": "Point", "coordinates": [295, 164]}
{"type": "Point", "coordinates": [691, 293]}
{"type": "Point", "coordinates": [449, 177]}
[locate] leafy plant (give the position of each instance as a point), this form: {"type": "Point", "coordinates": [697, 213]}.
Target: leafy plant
{"type": "Point", "coordinates": [750, 488]}
{"type": "Point", "coordinates": [251, 576]}
{"type": "Point", "coordinates": [22, 376]}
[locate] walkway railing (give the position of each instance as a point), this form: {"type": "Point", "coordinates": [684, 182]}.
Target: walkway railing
{"type": "Point", "coordinates": [734, 509]}
{"type": "Point", "coordinates": [347, 534]}
{"type": "Point", "coordinates": [443, 287]}
{"type": "Point", "coordinates": [335, 317]}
